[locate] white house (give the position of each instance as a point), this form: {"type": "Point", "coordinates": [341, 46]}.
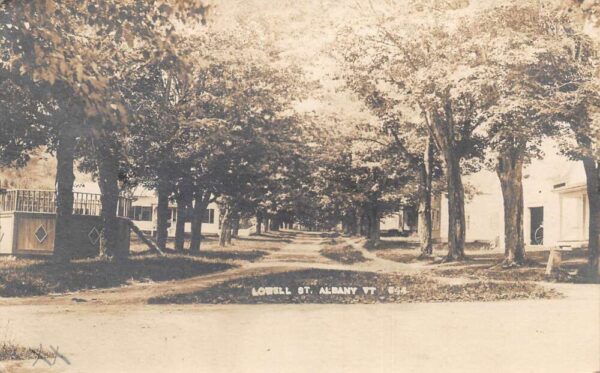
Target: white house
{"type": "Point", "coordinates": [144, 214]}
{"type": "Point", "coordinates": [405, 220]}
{"type": "Point", "coordinates": [556, 210]}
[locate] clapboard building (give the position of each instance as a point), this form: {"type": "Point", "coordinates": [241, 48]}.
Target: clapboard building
{"type": "Point", "coordinates": [556, 210]}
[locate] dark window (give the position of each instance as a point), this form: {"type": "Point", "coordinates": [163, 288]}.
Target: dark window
{"type": "Point", "coordinates": [556, 186]}
{"type": "Point", "coordinates": [209, 216]}
{"type": "Point", "coordinates": [187, 214]}
{"type": "Point", "coordinates": [142, 213]}
{"type": "Point", "coordinates": [537, 225]}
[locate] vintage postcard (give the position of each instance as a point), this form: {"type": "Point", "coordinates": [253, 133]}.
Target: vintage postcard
{"type": "Point", "coordinates": [299, 186]}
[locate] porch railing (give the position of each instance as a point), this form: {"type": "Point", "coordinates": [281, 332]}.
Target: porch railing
{"type": "Point", "coordinates": [44, 201]}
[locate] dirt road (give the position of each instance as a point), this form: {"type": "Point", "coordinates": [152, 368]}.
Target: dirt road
{"type": "Point", "coordinates": [547, 336]}
{"type": "Point", "coordinates": [301, 253]}
{"type": "Point", "coordinates": [117, 332]}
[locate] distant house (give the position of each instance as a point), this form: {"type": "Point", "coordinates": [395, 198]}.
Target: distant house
{"type": "Point", "coordinates": [144, 214]}
{"type": "Point", "coordinates": [405, 220]}
{"type": "Point", "coordinates": [556, 210]}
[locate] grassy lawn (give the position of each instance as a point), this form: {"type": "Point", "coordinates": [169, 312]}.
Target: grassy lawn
{"type": "Point", "coordinates": [12, 351]}
{"type": "Point", "coordinates": [343, 253]}
{"type": "Point", "coordinates": [390, 288]}
{"type": "Point", "coordinates": [28, 277]}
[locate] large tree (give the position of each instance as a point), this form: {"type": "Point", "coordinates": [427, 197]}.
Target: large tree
{"type": "Point", "coordinates": [61, 50]}
{"type": "Point", "coordinates": [420, 64]}
{"type": "Point", "coordinates": [405, 135]}
{"type": "Point", "coordinates": [514, 58]}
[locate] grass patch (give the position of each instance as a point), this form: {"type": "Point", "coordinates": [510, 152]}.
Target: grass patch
{"type": "Point", "coordinates": [26, 277]}
{"type": "Point", "coordinates": [250, 256]}
{"type": "Point", "coordinates": [403, 243]}
{"type": "Point", "coordinates": [486, 267]}
{"type": "Point", "coordinates": [245, 255]}
{"type": "Point", "coordinates": [387, 244]}
{"type": "Point", "coordinates": [345, 254]}
{"type": "Point", "coordinates": [11, 351]}
{"type": "Point", "coordinates": [399, 257]}
{"type": "Point", "coordinates": [390, 288]}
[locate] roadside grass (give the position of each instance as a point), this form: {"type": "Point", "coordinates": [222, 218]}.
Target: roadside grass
{"type": "Point", "coordinates": [390, 288]}
{"type": "Point", "coordinates": [343, 253]}
{"type": "Point", "coordinates": [31, 277]}
{"type": "Point", "coordinates": [249, 255]}
{"type": "Point", "coordinates": [400, 257]}
{"type": "Point", "coordinates": [10, 351]}
{"type": "Point", "coordinates": [486, 266]}
{"type": "Point", "coordinates": [221, 255]}
{"type": "Point", "coordinates": [484, 262]}
{"type": "Point", "coordinates": [411, 244]}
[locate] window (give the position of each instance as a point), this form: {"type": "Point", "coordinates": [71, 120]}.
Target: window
{"type": "Point", "coordinates": [435, 219]}
{"type": "Point", "coordinates": [142, 213]}
{"type": "Point", "coordinates": [209, 216]}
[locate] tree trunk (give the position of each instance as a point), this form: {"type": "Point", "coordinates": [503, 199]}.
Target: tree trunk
{"type": "Point", "coordinates": [108, 180]}
{"type": "Point", "coordinates": [274, 224]}
{"type": "Point", "coordinates": [350, 226]}
{"type": "Point", "coordinates": [510, 172]}
{"type": "Point", "coordinates": [259, 220]}
{"type": "Point", "coordinates": [201, 201]}
{"type": "Point", "coordinates": [592, 171]}
{"type": "Point", "coordinates": [367, 219]}
{"type": "Point", "coordinates": [441, 130]}
{"type": "Point", "coordinates": [64, 249]}
{"type": "Point", "coordinates": [162, 215]}
{"type": "Point", "coordinates": [456, 208]}
{"type": "Point", "coordinates": [424, 223]}
{"type": "Point", "coordinates": [267, 224]}
{"type": "Point", "coordinates": [233, 214]}
{"type": "Point", "coordinates": [183, 202]}
{"type": "Point", "coordinates": [374, 223]}
{"type": "Point", "coordinates": [225, 227]}
{"type": "Point", "coordinates": [362, 224]}
{"type": "Point", "coordinates": [355, 222]}
{"type": "Point", "coordinates": [235, 226]}
{"type": "Point", "coordinates": [147, 241]}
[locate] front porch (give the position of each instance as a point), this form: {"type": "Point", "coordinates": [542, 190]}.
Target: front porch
{"type": "Point", "coordinates": [28, 220]}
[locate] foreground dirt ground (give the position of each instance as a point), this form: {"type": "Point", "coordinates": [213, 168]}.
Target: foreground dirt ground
{"type": "Point", "coordinates": [115, 330]}
{"type": "Point", "coordinates": [518, 336]}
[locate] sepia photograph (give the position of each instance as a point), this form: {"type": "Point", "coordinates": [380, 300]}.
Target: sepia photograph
{"type": "Point", "coordinates": [299, 186]}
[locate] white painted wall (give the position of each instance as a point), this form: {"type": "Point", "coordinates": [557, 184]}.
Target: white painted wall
{"type": "Point", "coordinates": [566, 211]}
{"type": "Point", "coordinates": [483, 210]}
{"type": "Point", "coordinates": [391, 221]}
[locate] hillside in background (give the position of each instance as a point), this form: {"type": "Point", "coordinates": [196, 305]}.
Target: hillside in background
{"type": "Point", "coordinates": [39, 173]}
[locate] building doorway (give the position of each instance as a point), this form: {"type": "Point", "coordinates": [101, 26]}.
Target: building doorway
{"type": "Point", "coordinates": [537, 225]}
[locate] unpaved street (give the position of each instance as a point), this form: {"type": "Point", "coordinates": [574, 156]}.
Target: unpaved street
{"type": "Point", "coordinates": [458, 337]}
{"type": "Point", "coordinates": [114, 331]}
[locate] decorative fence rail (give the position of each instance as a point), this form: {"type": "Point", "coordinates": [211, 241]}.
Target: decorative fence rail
{"type": "Point", "coordinates": [44, 201]}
